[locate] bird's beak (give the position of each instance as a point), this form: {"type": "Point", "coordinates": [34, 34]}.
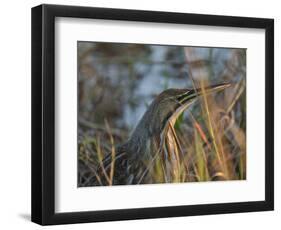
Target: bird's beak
{"type": "Point", "coordinates": [193, 93]}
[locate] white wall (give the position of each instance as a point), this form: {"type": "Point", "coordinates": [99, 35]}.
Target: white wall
{"type": "Point", "coordinates": [15, 113]}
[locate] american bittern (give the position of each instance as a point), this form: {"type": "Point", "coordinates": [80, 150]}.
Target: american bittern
{"type": "Point", "coordinates": [151, 138]}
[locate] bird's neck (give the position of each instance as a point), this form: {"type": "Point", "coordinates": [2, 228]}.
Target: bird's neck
{"type": "Point", "coordinates": [143, 136]}
{"type": "Point", "coordinates": [148, 134]}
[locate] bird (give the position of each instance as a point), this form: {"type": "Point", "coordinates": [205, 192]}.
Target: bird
{"type": "Point", "coordinates": [133, 160]}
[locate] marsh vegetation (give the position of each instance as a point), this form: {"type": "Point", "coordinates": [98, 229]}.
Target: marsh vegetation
{"type": "Point", "coordinates": [117, 83]}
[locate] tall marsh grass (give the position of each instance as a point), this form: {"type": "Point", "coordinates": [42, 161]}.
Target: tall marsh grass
{"type": "Point", "coordinates": [206, 143]}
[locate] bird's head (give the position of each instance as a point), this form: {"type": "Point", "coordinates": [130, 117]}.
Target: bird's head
{"type": "Point", "coordinates": [171, 102]}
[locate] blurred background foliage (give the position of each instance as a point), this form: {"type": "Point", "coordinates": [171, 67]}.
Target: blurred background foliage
{"type": "Point", "coordinates": [117, 82]}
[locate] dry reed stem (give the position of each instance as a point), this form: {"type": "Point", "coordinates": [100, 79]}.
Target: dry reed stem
{"type": "Point", "coordinates": [212, 132]}
{"type": "Point", "coordinates": [112, 152]}
{"type": "Point", "coordinates": [100, 157]}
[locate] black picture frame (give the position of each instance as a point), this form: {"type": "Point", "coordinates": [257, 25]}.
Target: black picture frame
{"type": "Point", "coordinates": [43, 114]}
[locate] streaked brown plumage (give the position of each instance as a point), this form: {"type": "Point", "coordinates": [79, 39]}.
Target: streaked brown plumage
{"type": "Point", "coordinates": [133, 159]}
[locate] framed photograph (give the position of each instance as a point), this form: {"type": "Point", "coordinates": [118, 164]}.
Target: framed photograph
{"type": "Point", "coordinates": [141, 114]}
